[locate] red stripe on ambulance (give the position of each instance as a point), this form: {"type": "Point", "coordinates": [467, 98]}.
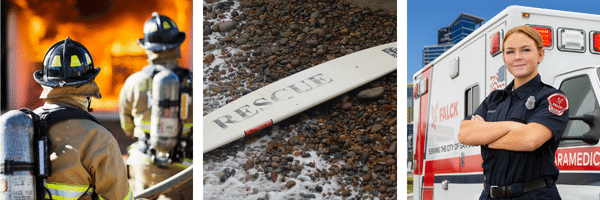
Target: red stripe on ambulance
{"type": "Point", "coordinates": [584, 158]}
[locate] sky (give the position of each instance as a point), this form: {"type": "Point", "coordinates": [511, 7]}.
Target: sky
{"type": "Point", "coordinates": [425, 17]}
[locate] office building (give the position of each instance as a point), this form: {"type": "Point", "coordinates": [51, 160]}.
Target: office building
{"type": "Point", "coordinates": [430, 53]}
{"type": "Point", "coordinates": [464, 25]}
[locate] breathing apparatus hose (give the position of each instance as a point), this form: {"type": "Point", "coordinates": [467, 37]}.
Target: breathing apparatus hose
{"type": "Point", "coordinates": [167, 185]}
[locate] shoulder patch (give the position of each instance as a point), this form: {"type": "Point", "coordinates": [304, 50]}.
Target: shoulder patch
{"type": "Point", "coordinates": [558, 103]}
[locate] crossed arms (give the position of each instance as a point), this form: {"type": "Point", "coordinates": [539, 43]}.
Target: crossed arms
{"type": "Point", "coordinates": [507, 135]}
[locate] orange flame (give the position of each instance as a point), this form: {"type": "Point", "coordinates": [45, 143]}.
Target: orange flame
{"type": "Point", "coordinates": [111, 37]}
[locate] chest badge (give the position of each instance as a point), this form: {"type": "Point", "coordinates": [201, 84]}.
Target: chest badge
{"type": "Point", "coordinates": [530, 103]}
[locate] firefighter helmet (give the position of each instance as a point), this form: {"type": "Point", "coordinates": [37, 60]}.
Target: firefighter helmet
{"type": "Point", "coordinates": [66, 63]}
{"type": "Point", "coordinates": [160, 33]}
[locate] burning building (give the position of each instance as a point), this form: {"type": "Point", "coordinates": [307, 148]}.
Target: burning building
{"type": "Point", "coordinates": [109, 29]}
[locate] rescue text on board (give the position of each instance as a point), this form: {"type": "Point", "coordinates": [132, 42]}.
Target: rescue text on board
{"type": "Point", "coordinates": [247, 111]}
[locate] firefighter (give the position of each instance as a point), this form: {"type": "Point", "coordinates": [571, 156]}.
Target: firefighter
{"type": "Point", "coordinates": [519, 127]}
{"type": "Point", "coordinates": [162, 40]}
{"type": "Point", "coordinates": [86, 162]}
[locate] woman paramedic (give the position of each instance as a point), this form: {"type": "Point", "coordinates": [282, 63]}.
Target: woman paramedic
{"type": "Point", "coordinates": [519, 127]}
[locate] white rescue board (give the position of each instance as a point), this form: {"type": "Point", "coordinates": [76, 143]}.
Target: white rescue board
{"type": "Point", "coordinates": [296, 93]}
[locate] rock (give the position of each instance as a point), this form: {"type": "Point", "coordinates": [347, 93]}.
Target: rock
{"type": "Point", "coordinates": [215, 28]}
{"type": "Point", "coordinates": [308, 196]}
{"type": "Point", "coordinates": [312, 43]}
{"type": "Point", "coordinates": [283, 41]}
{"type": "Point", "coordinates": [249, 165]}
{"type": "Point", "coordinates": [223, 178]}
{"type": "Point", "coordinates": [330, 173]}
{"type": "Point", "coordinates": [367, 177]}
{"type": "Point", "coordinates": [316, 31]}
{"type": "Point", "coordinates": [347, 167]}
{"type": "Point", "coordinates": [224, 5]}
{"type": "Point", "coordinates": [209, 59]}
{"type": "Point", "coordinates": [319, 189]}
{"type": "Point", "coordinates": [390, 162]}
{"type": "Point", "coordinates": [346, 192]}
{"type": "Point", "coordinates": [357, 149]}
{"type": "Point", "coordinates": [383, 188]}
{"type": "Point", "coordinates": [337, 155]}
{"type": "Point", "coordinates": [347, 106]}
{"type": "Point", "coordinates": [287, 34]}
{"type": "Point", "coordinates": [249, 139]}
{"type": "Point", "coordinates": [376, 128]}
{"type": "Point", "coordinates": [274, 176]}
{"type": "Point", "coordinates": [290, 184]}
{"type": "Point", "coordinates": [315, 14]}
{"type": "Point", "coordinates": [350, 154]}
{"type": "Point", "coordinates": [274, 76]}
{"type": "Point", "coordinates": [373, 93]}
{"type": "Point", "coordinates": [207, 31]}
{"type": "Point", "coordinates": [364, 157]}
{"type": "Point", "coordinates": [295, 63]}
{"type": "Point", "coordinates": [241, 41]}
{"type": "Point", "coordinates": [249, 177]}
{"type": "Point", "coordinates": [392, 148]}
{"type": "Point", "coordinates": [334, 148]}
{"type": "Point", "coordinates": [344, 31]}
{"type": "Point", "coordinates": [322, 151]}
{"type": "Point", "coordinates": [320, 52]}
{"type": "Point", "coordinates": [227, 26]}
{"type": "Point", "coordinates": [217, 89]}
{"type": "Point", "coordinates": [388, 183]}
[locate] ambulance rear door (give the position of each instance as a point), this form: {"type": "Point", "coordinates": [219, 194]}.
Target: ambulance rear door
{"type": "Point", "coordinates": [578, 161]}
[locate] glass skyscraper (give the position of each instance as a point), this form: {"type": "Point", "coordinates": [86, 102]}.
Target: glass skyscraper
{"type": "Point", "coordinates": [430, 53]}
{"type": "Point", "coordinates": [464, 25]}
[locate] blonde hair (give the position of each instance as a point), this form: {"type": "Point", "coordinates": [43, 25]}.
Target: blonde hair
{"type": "Point", "coordinates": [530, 32]}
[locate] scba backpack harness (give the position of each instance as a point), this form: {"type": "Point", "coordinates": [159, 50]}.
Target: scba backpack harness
{"type": "Point", "coordinates": [26, 163]}
{"type": "Point", "coordinates": [170, 96]}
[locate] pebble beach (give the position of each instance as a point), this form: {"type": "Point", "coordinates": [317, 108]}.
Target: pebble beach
{"type": "Point", "coordinates": [344, 148]}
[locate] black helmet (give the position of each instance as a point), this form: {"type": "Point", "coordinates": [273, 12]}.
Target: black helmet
{"type": "Point", "coordinates": [161, 33]}
{"type": "Point", "coordinates": [66, 63]}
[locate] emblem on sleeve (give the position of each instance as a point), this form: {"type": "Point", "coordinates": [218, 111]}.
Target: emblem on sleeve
{"type": "Point", "coordinates": [558, 103]}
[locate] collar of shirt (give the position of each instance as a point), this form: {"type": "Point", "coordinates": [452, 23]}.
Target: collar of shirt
{"type": "Point", "coordinates": [526, 88]}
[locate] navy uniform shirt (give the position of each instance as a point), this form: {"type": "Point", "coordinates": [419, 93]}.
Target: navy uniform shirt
{"type": "Point", "coordinates": [528, 103]}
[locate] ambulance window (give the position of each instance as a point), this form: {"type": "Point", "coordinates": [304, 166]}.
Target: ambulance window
{"type": "Point", "coordinates": [471, 100]}
{"type": "Point", "coordinates": [581, 101]}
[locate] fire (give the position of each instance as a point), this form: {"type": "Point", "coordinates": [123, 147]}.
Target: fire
{"type": "Point", "coordinates": [109, 30]}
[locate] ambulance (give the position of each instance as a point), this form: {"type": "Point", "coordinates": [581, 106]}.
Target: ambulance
{"type": "Point", "coordinates": [454, 84]}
